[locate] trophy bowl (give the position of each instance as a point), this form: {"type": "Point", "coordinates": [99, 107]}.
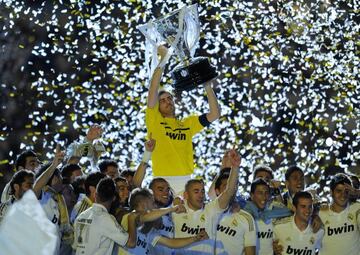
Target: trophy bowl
{"type": "Point", "coordinates": [180, 29]}
{"type": "Point", "coordinates": [188, 77]}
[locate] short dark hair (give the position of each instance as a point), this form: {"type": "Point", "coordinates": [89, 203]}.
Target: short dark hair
{"type": "Point", "coordinates": [79, 184]}
{"type": "Point", "coordinates": [18, 178]}
{"type": "Point", "coordinates": [339, 179]}
{"type": "Point", "coordinates": [156, 180]}
{"type": "Point", "coordinates": [301, 194]}
{"type": "Point", "coordinates": [120, 179]}
{"type": "Point", "coordinates": [67, 170]}
{"type": "Point", "coordinates": [137, 195]}
{"type": "Point", "coordinates": [103, 165]}
{"type": "Point", "coordinates": [258, 182]}
{"type": "Point", "coordinates": [189, 183]}
{"type": "Point", "coordinates": [222, 176]}
{"type": "Point", "coordinates": [106, 190]}
{"type": "Point", "coordinates": [354, 180]}
{"type": "Point", "coordinates": [92, 180]}
{"type": "Point", "coordinates": [126, 173]}
{"type": "Point", "coordinates": [291, 170]}
{"type": "Point", "coordinates": [43, 168]}
{"type": "Point", "coordinates": [21, 159]}
{"type": "Point", "coordinates": [263, 168]}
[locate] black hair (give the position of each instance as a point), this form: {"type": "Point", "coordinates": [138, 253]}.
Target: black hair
{"type": "Point", "coordinates": [221, 177]}
{"type": "Point", "coordinates": [21, 159]}
{"type": "Point", "coordinates": [67, 171]}
{"type": "Point", "coordinates": [301, 194]}
{"type": "Point", "coordinates": [103, 165]}
{"type": "Point", "coordinates": [18, 178]}
{"type": "Point", "coordinates": [126, 173]}
{"type": "Point", "coordinates": [79, 185]}
{"type": "Point", "coordinates": [189, 183]}
{"type": "Point", "coordinates": [339, 179]}
{"type": "Point", "coordinates": [137, 195]}
{"type": "Point", "coordinates": [291, 170]}
{"type": "Point", "coordinates": [92, 180]}
{"type": "Point", "coordinates": [263, 168]}
{"type": "Point", "coordinates": [105, 190]}
{"type": "Point", "coordinates": [258, 182]}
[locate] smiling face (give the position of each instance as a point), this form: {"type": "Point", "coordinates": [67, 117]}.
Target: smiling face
{"type": "Point", "coordinates": [166, 105]}
{"type": "Point", "coordinates": [340, 197]}
{"type": "Point", "coordinates": [260, 196]}
{"type": "Point", "coordinates": [161, 190]}
{"type": "Point", "coordinates": [122, 188]}
{"type": "Point", "coordinates": [304, 210]}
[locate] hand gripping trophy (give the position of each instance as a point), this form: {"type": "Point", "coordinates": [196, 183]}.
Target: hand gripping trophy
{"type": "Point", "coordinates": [180, 29]}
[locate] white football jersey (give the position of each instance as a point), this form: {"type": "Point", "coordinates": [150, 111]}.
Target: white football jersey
{"type": "Point", "coordinates": [295, 241]}
{"type": "Point", "coordinates": [167, 230]}
{"type": "Point", "coordinates": [143, 242]}
{"type": "Point", "coordinates": [235, 231]}
{"type": "Point", "coordinates": [265, 235]}
{"type": "Point", "coordinates": [190, 223]}
{"type": "Point", "coordinates": [342, 226]}
{"type": "Point", "coordinates": [96, 231]}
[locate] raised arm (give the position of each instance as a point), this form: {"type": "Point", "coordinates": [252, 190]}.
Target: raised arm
{"type": "Point", "coordinates": [141, 169]}
{"type": "Point", "coordinates": [214, 113]}
{"type": "Point", "coordinates": [155, 79]}
{"type": "Point", "coordinates": [43, 179]}
{"type": "Point", "coordinates": [232, 182]}
{"type": "Point", "coordinates": [225, 163]}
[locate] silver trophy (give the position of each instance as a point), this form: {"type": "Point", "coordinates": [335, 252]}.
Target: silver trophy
{"type": "Point", "coordinates": [180, 29]}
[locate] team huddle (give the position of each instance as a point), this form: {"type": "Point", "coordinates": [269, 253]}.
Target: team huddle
{"type": "Point", "coordinates": [108, 211]}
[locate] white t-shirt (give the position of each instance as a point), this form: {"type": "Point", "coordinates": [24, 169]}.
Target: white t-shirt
{"type": "Point", "coordinates": [50, 207]}
{"type": "Point", "coordinates": [342, 226]}
{"type": "Point", "coordinates": [295, 241]}
{"type": "Point", "coordinates": [96, 231]}
{"type": "Point", "coordinates": [190, 223]}
{"type": "Point", "coordinates": [265, 234]}
{"type": "Point", "coordinates": [235, 231]}
{"type": "Point", "coordinates": [143, 242]}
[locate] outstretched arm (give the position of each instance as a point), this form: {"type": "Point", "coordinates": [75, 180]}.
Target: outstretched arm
{"type": "Point", "coordinates": [155, 79]}
{"type": "Point", "coordinates": [214, 113]}
{"type": "Point", "coordinates": [157, 213]}
{"type": "Point", "coordinates": [182, 242]}
{"type": "Point", "coordinates": [232, 182]}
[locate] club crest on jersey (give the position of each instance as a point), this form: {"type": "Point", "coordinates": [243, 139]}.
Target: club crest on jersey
{"type": "Point", "coordinates": [202, 218]}
{"type": "Point", "coordinates": [288, 239]}
{"type": "Point", "coordinates": [327, 222]}
{"type": "Point", "coordinates": [235, 223]}
{"type": "Point", "coordinates": [351, 217]}
{"type": "Point", "coordinates": [185, 217]}
{"type": "Point", "coordinates": [312, 240]}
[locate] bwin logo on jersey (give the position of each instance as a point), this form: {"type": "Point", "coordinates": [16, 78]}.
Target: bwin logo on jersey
{"type": "Point", "coordinates": [176, 136]}
{"type": "Point", "coordinates": [190, 230]}
{"type": "Point", "coordinates": [141, 243]}
{"type": "Point", "coordinates": [295, 251]}
{"type": "Point", "coordinates": [265, 235]}
{"type": "Point", "coordinates": [226, 230]}
{"type": "Point", "coordinates": [339, 230]}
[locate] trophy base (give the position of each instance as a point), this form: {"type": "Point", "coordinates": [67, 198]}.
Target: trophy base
{"type": "Point", "coordinates": [189, 77]}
